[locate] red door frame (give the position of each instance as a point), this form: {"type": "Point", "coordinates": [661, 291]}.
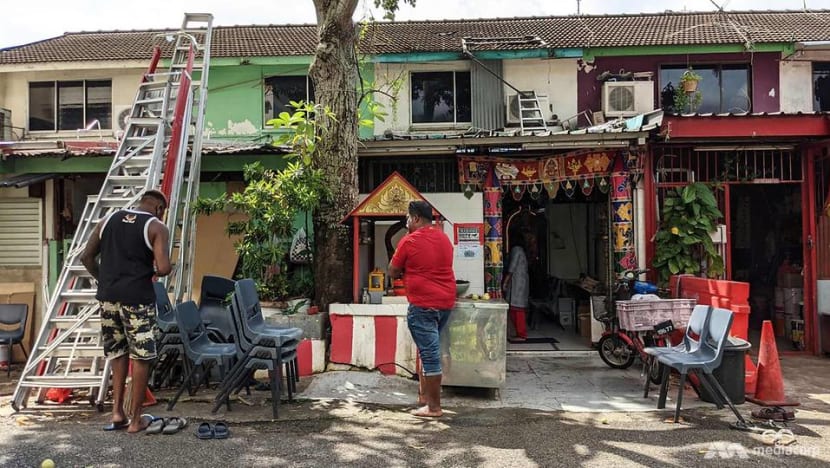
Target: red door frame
{"type": "Point", "coordinates": [808, 209]}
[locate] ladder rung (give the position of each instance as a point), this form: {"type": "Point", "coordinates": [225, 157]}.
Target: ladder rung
{"type": "Point", "coordinates": [81, 351]}
{"type": "Point", "coordinates": [74, 380]}
{"type": "Point", "coordinates": [145, 121]}
{"type": "Point", "coordinates": [80, 295]}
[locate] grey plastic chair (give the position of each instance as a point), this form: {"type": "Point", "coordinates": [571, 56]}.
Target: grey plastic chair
{"type": "Point", "coordinates": [198, 347]}
{"type": "Point", "coordinates": [269, 348]}
{"type": "Point", "coordinates": [697, 330]}
{"type": "Point", "coordinates": [706, 358]}
{"type": "Point", "coordinates": [169, 344]}
{"type": "Point", "coordinates": [213, 308]}
{"type": "Point", "coordinates": [13, 315]}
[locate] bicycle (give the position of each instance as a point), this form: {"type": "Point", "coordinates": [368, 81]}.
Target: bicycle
{"type": "Point", "coordinates": [619, 348]}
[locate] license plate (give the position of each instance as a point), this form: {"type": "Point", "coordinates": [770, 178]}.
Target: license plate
{"type": "Point", "coordinates": [663, 328]}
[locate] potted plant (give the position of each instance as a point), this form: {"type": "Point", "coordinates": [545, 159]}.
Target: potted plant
{"type": "Point", "coordinates": [684, 244]}
{"type": "Point", "coordinates": [687, 96]}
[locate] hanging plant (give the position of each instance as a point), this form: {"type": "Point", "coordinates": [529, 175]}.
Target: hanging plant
{"type": "Point", "coordinates": [684, 244]}
{"type": "Point", "coordinates": [687, 96]}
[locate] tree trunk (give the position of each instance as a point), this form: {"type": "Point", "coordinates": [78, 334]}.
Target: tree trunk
{"type": "Point", "coordinates": [334, 74]}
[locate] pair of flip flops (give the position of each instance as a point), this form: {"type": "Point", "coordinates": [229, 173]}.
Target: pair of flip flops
{"type": "Point", "coordinates": [213, 431]}
{"type": "Point", "coordinates": [117, 426]}
{"type": "Point", "coordinates": [166, 425]}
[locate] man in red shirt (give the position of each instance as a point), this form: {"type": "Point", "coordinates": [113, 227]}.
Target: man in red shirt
{"type": "Point", "coordinates": [424, 259]}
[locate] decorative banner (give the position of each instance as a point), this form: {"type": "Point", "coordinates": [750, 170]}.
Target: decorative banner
{"type": "Point", "coordinates": [577, 167]}
{"type": "Point", "coordinates": [622, 215]}
{"type": "Point", "coordinates": [493, 265]}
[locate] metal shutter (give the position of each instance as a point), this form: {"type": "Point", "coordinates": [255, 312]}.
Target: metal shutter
{"type": "Point", "coordinates": [20, 231]}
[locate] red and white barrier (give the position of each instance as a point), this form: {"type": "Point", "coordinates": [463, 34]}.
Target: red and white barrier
{"type": "Point", "coordinates": [311, 357]}
{"type": "Point", "coordinates": [372, 336]}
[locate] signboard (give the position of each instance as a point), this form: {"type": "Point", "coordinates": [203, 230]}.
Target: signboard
{"type": "Point", "coordinates": [469, 233]}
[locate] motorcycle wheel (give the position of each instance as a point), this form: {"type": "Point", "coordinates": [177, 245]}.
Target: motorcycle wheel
{"type": "Point", "coordinates": [615, 352]}
{"type": "Point", "coordinates": [655, 372]}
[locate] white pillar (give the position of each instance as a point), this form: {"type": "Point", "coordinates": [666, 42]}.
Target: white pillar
{"type": "Point", "coordinates": [640, 224]}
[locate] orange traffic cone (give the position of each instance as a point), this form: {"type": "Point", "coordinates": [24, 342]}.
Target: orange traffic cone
{"type": "Point", "coordinates": [149, 399]}
{"type": "Point", "coordinates": [769, 390]}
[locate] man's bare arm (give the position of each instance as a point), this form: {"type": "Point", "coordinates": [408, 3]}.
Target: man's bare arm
{"type": "Point", "coordinates": [91, 251]}
{"type": "Point", "coordinates": [160, 238]}
{"type": "Point", "coordinates": [395, 272]}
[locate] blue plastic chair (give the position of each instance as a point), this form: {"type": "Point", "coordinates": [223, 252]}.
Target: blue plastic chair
{"type": "Point", "coordinates": [697, 330]}
{"type": "Point", "coordinates": [198, 347]}
{"type": "Point", "coordinates": [13, 315]}
{"type": "Point", "coordinates": [706, 358]}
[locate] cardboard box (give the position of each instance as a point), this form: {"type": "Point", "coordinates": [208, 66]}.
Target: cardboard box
{"type": "Point", "coordinates": [585, 325]}
{"type": "Point", "coordinates": [21, 293]}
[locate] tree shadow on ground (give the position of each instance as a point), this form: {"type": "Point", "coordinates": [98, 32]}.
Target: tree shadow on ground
{"type": "Point", "coordinates": [343, 433]}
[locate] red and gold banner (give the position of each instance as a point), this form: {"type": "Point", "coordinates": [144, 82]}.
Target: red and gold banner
{"type": "Point", "coordinates": [578, 170]}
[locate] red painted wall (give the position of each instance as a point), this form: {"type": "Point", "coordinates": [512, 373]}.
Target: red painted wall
{"type": "Point", "coordinates": [763, 66]}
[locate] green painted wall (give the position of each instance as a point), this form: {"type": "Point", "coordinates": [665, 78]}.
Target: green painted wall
{"type": "Point", "coordinates": [235, 99]}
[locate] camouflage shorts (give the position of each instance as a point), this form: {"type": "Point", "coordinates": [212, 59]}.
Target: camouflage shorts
{"type": "Point", "coordinates": [129, 329]}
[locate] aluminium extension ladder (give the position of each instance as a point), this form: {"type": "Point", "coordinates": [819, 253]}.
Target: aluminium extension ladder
{"type": "Point", "coordinates": [531, 117]}
{"type": "Point", "coordinates": [68, 352]}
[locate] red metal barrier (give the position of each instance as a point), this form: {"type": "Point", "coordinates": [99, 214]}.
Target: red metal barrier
{"type": "Point", "coordinates": [732, 295]}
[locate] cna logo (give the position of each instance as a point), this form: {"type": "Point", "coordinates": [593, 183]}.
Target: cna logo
{"type": "Point", "coordinates": [726, 451]}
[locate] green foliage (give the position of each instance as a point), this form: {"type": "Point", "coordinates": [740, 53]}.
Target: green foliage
{"type": "Point", "coordinates": [271, 201]}
{"type": "Point", "coordinates": [683, 243]}
{"type": "Point", "coordinates": [391, 6]}
{"type": "Point", "coordinates": [687, 101]}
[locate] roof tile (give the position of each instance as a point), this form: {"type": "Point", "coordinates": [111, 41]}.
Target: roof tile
{"type": "Point", "coordinates": [442, 36]}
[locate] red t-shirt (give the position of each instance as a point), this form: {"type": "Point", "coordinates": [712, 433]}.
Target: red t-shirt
{"type": "Point", "coordinates": [425, 256]}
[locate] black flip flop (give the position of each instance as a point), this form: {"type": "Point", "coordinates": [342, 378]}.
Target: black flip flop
{"type": "Point", "coordinates": [205, 431]}
{"type": "Point", "coordinates": [113, 426]}
{"type": "Point", "coordinates": [221, 431]}
{"type": "Point", "coordinates": [174, 425]}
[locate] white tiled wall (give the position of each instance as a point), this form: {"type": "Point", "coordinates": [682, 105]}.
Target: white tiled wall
{"type": "Point", "coordinates": [457, 209]}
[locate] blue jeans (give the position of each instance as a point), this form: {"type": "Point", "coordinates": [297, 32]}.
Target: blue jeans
{"type": "Point", "coordinates": [425, 326]}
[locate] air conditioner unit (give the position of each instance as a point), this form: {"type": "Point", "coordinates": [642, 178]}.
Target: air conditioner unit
{"type": "Point", "coordinates": [511, 104]}
{"type": "Point", "coordinates": [627, 98]}
{"type": "Point", "coordinates": [120, 114]}
{"type": "Point", "coordinates": [5, 125]}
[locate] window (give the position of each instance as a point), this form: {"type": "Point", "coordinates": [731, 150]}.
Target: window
{"type": "Point", "coordinates": [821, 86]}
{"type": "Point", "coordinates": [280, 90]}
{"type": "Point", "coordinates": [441, 97]}
{"type": "Point", "coordinates": [21, 242]}
{"type": "Point", "coordinates": [69, 105]}
{"type": "Point", "coordinates": [723, 88]}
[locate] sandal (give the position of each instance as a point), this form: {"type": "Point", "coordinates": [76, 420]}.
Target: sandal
{"type": "Point", "coordinates": [221, 431]}
{"type": "Point", "coordinates": [117, 426]}
{"type": "Point", "coordinates": [205, 431]}
{"type": "Point", "coordinates": [174, 425]}
{"type": "Point", "coordinates": [156, 426]}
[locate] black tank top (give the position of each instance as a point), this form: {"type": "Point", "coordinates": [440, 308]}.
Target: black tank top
{"type": "Point", "coordinates": [126, 270]}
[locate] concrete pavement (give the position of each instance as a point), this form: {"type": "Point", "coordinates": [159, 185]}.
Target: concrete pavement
{"type": "Point", "coordinates": [329, 432]}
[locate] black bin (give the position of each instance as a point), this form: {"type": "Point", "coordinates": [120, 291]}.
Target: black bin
{"type": "Point", "coordinates": [732, 371]}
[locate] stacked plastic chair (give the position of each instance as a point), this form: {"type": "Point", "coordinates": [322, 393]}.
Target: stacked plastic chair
{"type": "Point", "coordinates": [170, 349]}
{"type": "Point", "coordinates": [199, 349]}
{"type": "Point", "coordinates": [259, 346]}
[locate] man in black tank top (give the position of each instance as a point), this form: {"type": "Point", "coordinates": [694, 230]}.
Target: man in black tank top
{"type": "Point", "coordinates": [133, 247]}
